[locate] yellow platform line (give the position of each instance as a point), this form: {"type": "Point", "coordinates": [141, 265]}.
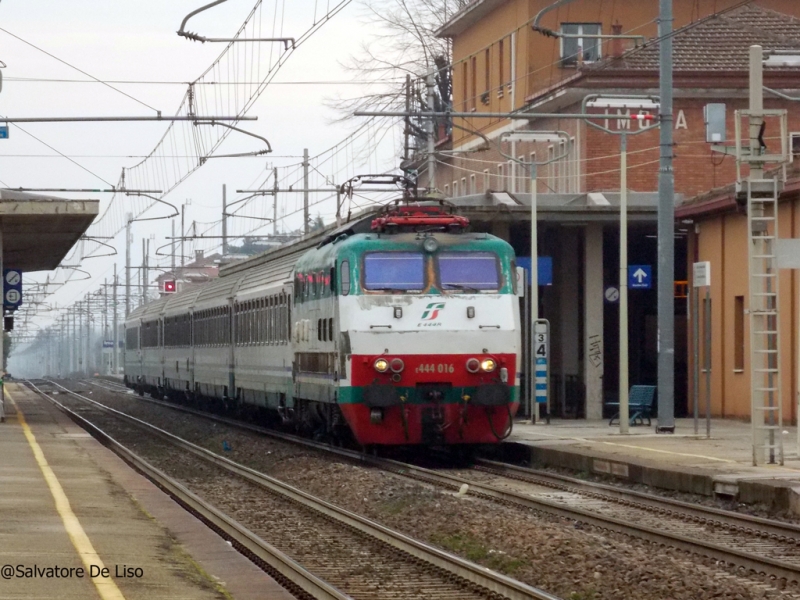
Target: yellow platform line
{"type": "Point", "coordinates": [657, 450]}
{"type": "Point", "coordinates": [106, 587]}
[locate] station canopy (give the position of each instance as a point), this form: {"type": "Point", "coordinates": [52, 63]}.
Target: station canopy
{"type": "Point", "coordinates": [39, 230]}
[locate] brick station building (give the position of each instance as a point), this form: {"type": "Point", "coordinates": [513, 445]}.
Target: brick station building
{"type": "Point", "coordinates": [500, 64]}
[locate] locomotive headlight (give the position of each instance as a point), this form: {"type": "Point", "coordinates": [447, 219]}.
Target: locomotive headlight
{"type": "Point", "coordinates": [397, 365]}
{"type": "Point", "coordinates": [488, 364]}
{"type": "Point", "coordinates": [381, 365]}
{"type": "Point", "coordinates": [430, 244]}
{"type": "Point", "coordinates": [473, 365]}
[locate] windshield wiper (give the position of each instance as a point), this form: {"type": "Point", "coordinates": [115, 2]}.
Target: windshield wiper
{"type": "Point", "coordinates": [459, 286]}
{"type": "Point", "coordinates": [394, 290]}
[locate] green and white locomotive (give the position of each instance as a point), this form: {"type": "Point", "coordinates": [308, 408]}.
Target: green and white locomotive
{"type": "Point", "coordinates": [399, 328]}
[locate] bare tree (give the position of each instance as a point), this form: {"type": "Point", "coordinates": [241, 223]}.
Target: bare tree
{"type": "Point", "coordinates": [403, 43]}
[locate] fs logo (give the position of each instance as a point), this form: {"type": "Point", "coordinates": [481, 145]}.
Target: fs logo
{"type": "Point", "coordinates": [432, 311]}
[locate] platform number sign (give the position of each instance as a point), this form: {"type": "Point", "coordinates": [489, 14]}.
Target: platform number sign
{"type": "Point", "coordinates": [12, 289]}
{"type": "Point", "coordinates": [541, 357]}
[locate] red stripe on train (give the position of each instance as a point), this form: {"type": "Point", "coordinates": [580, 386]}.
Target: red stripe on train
{"type": "Point", "coordinates": [430, 368]}
{"type": "Point", "coordinates": [476, 425]}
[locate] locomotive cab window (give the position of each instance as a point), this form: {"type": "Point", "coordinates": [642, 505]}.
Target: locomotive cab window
{"type": "Point", "coordinates": [469, 271]}
{"type": "Point", "coordinates": [404, 271]}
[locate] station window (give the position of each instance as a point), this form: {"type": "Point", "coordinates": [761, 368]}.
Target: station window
{"type": "Point", "coordinates": [500, 67]}
{"type": "Point", "coordinates": [795, 139]}
{"type": "Point", "coordinates": [706, 314]}
{"type": "Point", "coordinates": [487, 76]}
{"type": "Point", "coordinates": [738, 333]}
{"type": "Point", "coordinates": [576, 49]}
{"type": "Point", "coordinates": [473, 83]}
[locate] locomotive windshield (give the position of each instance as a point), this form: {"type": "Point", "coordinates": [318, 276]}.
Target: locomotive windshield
{"type": "Point", "coordinates": [468, 271]}
{"type": "Point", "coordinates": [394, 271]}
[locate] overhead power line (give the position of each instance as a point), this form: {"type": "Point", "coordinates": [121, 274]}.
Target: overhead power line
{"type": "Point", "coordinates": [71, 66]}
{"type": "Point", "coordinates": [185, 83]}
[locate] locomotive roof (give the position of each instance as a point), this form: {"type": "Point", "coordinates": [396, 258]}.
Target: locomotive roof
{"type": "Point", "coordinates": [361, 222]}
{"type": "Point", "coordinates": [271, 267]}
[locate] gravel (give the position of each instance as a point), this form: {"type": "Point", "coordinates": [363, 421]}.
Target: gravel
{"type": "Point", "coordinates": [567, 559]}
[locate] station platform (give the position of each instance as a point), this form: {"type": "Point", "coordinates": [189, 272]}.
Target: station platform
{"type": "Point", "coordinates": [68, 503]}
{"type": "Point", "coordinates": [682, 461]}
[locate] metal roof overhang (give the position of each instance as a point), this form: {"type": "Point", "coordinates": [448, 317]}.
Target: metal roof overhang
{"type": "Point", "coordinates": [39, 231]}
{"type": "Point", "coordinates": [559, 208]}
{"type": "Point", "coordinates": [565, 214]}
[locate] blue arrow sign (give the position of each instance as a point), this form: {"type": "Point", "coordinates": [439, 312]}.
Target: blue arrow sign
{"type": "Point", "coordinates": [3, 132]}
{"type": "Point", "coordinates": [640, 277]}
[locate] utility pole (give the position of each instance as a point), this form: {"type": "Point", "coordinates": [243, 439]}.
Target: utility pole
{"type": "Point", "coordinates": [224, 221]}
{"type": "Point", "coordinates": [60, 357]}
{"type": "Point", "coordinates": [78, 334]}
{"type": "Point", "coordinates": [666, 232]}
{"type": "Point", "coordinates": [88, 337]}
{"type": "Point", "coordinates": [147, 270]}
{"type": "Point", "coordinates": [68, 343]}
{"type": "Point", "coordinates": [106, 364]}
{"type": "Point", "coordinates": [275, 201]}
{"type": "Point", "coordinates": [407, 122]}
{"type": "Point", "coordinates": [172, 245]}
{"type": "Point", "coordinates": [128, 266]}
{"type": "Point", "coordinates": [183, 234]}
{"type": "Point", "coordinates": [144, 272]}
{"type": "Point", "coordinates": [431, 128]}
{"type": "Point", "coordinates": [115, 355]}
{"type": "Point", "coordinates": [306, 224]}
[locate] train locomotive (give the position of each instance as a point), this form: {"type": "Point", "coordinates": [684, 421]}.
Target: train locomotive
{"type": "Point", "coordinates": [399, 328]}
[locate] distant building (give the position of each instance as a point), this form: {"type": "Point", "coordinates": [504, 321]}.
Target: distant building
{"type": "Point", "coordinates": [204, 268]}
{"type": "Point", "coordinates": [201, 269]}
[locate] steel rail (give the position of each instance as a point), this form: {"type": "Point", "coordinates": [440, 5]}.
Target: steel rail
{"type": "Point", "coordinates": [494, 583]}
{"type": "Point", "coordinates": [277, 562]}
{"type": "Point", "coordinates": [668, 505]}
{"type": "Point", "coordinates": [745, 523]}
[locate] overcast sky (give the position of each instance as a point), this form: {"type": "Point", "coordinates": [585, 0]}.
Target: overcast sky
{"type": "Point", "coordinates": [136, 41]}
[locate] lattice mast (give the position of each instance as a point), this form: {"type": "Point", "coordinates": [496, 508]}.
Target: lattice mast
{"type": "Point", "coordinates": [762, 194]}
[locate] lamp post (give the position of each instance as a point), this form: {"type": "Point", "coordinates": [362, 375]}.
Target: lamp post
{"type": "Point", "coordinates": [535, 136]}
{"type": "Point", "coordinates": [623, 103]}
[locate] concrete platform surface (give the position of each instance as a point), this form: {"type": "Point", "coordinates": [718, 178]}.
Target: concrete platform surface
{"type": "Point", "coordinates": [683, 461]}
{"type": "Point", "coordinates": [68, 503]}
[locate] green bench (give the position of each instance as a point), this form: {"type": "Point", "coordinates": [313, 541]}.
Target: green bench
{"type": "Point", "coordinates": [641, 401]}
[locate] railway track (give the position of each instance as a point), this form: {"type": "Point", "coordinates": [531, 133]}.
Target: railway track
{"type": "Point", "coordinates": [330, 543]}
{"type": "Point", "coordinates": [744, 542]}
